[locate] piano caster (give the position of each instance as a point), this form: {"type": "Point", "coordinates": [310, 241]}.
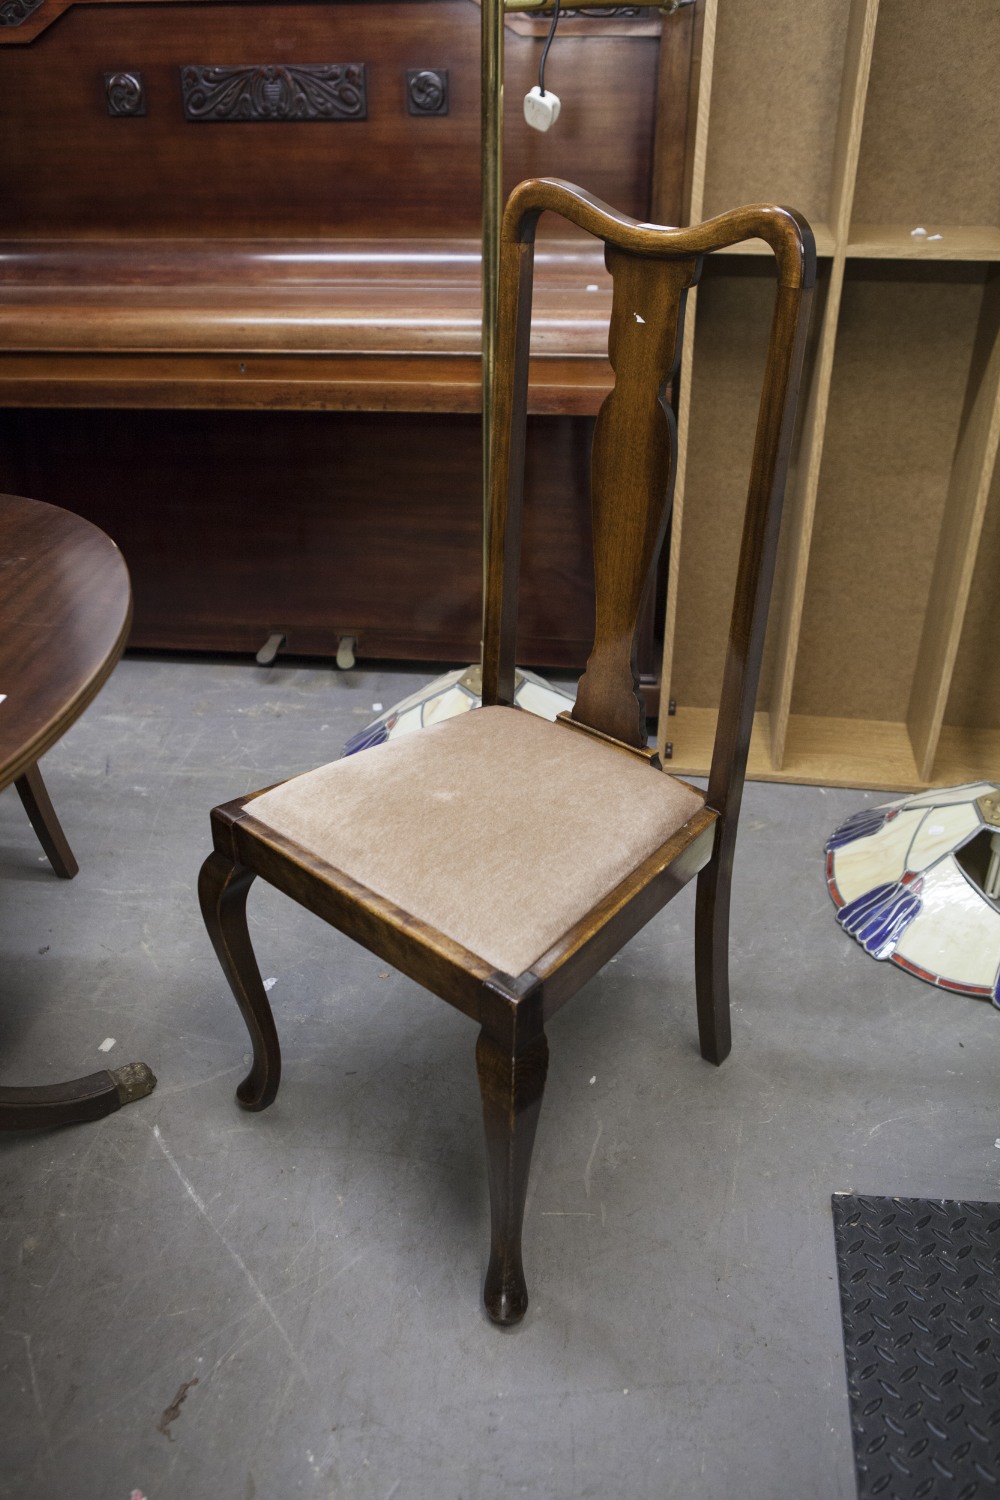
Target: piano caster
{"type": "Point", "coordinates": [270, 649]}
{"type": "Point", "coordinates": [345, 652]}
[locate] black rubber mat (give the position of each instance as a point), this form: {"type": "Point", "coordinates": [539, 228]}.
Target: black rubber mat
{"type": "Point", "coordinates": [920, 1302]}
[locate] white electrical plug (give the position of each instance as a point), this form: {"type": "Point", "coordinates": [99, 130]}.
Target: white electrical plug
{"type": "Point", "coordinates": [541, 110]}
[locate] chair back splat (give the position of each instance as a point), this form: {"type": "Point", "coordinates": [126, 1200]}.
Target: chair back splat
{"type": "Point", "coordinates": [495, 858]}
{"type": "Point", "coordinates": [632, 469]}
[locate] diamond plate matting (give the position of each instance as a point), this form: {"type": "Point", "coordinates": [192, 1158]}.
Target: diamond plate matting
{"type": "Point", "coordinates": [920, 1304]}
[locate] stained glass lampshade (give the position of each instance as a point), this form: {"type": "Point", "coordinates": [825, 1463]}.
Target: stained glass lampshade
{"type": "Point", "coordinates": [917, 881]}
{"type": "Point", "coordinates": [455, 693]}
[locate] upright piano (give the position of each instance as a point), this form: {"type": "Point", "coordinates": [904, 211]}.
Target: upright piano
{"type": "Point", "coordinates": [240, 304]}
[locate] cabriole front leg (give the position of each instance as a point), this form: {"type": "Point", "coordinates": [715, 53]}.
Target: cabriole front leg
{"type": "Point", "coordinates": [511, 1081]}
{"type": "Point", "coordinates": [223, 888]}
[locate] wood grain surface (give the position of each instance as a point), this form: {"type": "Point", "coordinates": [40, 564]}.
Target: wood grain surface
{"type": "Point", "coordinates": [65, 607]}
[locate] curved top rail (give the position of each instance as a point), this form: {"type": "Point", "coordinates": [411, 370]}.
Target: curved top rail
{"type": "Point", "coordinates": [786, 231]}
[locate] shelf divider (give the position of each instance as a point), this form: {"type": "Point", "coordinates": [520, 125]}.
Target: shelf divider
{"type": "Point", "coordinates": [961, 527]}
{"type": "Point", "coordinates": [702, 64]}
{"type": "Point", "coordinates": [941, 242]}
{"type": "Point", "coordinates": [857, 65]}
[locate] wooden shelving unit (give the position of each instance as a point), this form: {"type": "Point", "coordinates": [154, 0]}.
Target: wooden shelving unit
{"type": "Point", "coordinates": [875, 118]}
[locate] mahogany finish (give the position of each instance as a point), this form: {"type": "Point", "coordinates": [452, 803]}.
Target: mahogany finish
{"type": "Point", "coordinates": [42, 815]}
{"type": "Point", "coordinates": [65, 608]}
{"type": "Point", "coordinates": [346, 324]}
{"type": "Point", "coordinates": [220, 556]}
{"type": "Point", "coordinates": [652, 270]}
{"type": "Point", "coordinates": [72, 172]}
{"type": "Point", "coordinates": [512, 1059]}
{"type": "Point", "coordinates": [163, 266]}
{"type": "Point", "coordinates": [631, 478]}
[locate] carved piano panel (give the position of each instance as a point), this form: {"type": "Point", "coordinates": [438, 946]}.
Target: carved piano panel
{"type": "Point", "coordinates": [72, 168]}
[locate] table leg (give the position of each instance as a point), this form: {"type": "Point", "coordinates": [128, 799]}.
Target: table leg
{"type": "Point", "coordinates": [81, 1099]}
{"type": "Point", "coordinates": [32, 792]}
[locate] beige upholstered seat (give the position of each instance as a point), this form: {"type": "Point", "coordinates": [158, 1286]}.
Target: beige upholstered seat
{"type": "Point", "coordinates": [498, 829]}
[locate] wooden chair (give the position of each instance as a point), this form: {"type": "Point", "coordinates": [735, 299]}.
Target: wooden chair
{"type": "Point", "coordinates": [498, 859]}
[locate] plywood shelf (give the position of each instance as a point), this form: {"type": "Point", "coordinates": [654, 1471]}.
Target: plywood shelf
{"type": "Point", "coordinates": [830, 751]}
{"type": "Point", "coordinates": [882, 664]}
{"type": "Point", "coordinates": [930, 146]}
{"type": "Point", "coordinates": [819, 750]}
{"type": "Point", "coordinates": [975, 242]}
{"type": "Point", "coordinates": [965, 754]}
{"type": "Point", "coordinates": [826, 751]}
{"type": "Point", "coordinates": [690, 735]}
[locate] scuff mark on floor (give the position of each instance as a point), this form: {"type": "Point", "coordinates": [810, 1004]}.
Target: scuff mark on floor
{"type": "Point", "coordinates": [590, 1159]}
{"type": "Point", "coordinates": [237, 1259]}
{"type": "Point", "coordinates": [173, 1411]}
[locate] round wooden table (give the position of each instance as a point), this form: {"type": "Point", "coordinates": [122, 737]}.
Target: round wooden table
{"type": "Point", "coordinates": [65, 609]}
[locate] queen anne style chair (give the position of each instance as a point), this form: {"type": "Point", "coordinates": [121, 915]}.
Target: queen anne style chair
{"type": "Point", "coordinates": [499, 859]}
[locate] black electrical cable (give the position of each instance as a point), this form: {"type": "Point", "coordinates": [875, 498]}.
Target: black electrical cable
{"type": "Point", "coordinates": [545, 49]}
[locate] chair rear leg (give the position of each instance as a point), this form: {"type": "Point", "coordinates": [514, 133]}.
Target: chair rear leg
{"type": "Point", "coordinates": [511, 1081]}
{"type": "Point", "coordinates": [35, 799]}
{"type": "Point", "coordinates": [711, 959]}
{"type": "Point", "coordinates": [222, 889]}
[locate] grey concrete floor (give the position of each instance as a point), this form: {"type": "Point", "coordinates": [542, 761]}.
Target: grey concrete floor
{"type": "Point", "coordinates": [312, 1275]}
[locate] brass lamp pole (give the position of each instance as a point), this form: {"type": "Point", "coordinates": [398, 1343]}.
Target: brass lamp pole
{"type": "Point", "coordinates": [491, 148]}
{"type": "Point", "coordinates": [461, 690]}
{"type": "Point", "coordinates": [491, 158]}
